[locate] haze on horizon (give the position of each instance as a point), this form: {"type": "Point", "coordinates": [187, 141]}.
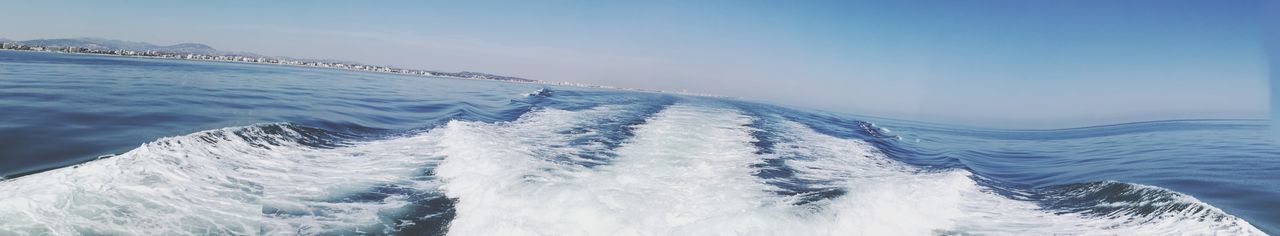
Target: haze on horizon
{"type": "Point", "coordinates": [1010, 64]}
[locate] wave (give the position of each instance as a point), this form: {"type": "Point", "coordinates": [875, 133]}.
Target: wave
{"type": "Point", "coordinates": [684, 168]}
{"type": "Point", "coordinates": [875, 194]}
{"type": "Point", "coordinates": [1135, 205]}
{"type": "Point", "coordinates": [262, 179]}
{"type": "Point", "coordinates": [542, 92]}
{"type": "Point", "coordinates": [692, 169]}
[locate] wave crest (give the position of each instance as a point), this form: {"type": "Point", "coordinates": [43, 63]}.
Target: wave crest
{"type": "Point", "coordinates": [241, 180]}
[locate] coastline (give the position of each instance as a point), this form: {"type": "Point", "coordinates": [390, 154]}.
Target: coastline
{"type": "Point", "coordinates": [422, 73]}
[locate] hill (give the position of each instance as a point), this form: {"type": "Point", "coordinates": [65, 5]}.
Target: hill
{"type": "Point", "coordinates": [111, 44]}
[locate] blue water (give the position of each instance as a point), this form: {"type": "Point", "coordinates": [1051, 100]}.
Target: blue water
{"type": "Point", "coordinates": [114, 145]}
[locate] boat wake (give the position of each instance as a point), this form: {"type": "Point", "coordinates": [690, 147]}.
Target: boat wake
{"type": "Point", "coordinates": [690, 168]}
{"type": "Point", "coordinates": [271, 178]}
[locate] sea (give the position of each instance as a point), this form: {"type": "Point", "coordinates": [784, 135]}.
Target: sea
{"type": "Point", "coordinates": [104, 145]}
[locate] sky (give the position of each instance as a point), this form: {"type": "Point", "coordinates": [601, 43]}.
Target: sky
{"type": "Point", "coordinates": [1007, 64]}
{"type": "Point", "coordinates": [1272, 36]}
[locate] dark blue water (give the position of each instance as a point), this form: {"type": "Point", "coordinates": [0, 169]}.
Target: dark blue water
{"type": "Point", "coordinates": [114, 145]}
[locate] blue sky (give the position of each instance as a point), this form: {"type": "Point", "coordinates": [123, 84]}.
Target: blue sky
{"type": "Point", "coordinates": [1015, 64]}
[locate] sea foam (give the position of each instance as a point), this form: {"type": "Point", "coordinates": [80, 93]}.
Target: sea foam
{"type": "Point", "coordinates": [244, 180]}
{"type": "Point", "coordinates": [689, 169]}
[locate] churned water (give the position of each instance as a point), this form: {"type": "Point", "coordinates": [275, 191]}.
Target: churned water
{"type": "Point", "coordinates": [113, 145]}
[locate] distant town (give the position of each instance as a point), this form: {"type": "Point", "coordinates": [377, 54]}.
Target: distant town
{"type": "Point", "coordinates": [200, 52]}
{"type": "Point", "coordinates": [254, 59]}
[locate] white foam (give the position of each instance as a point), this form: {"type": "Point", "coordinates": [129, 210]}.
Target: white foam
{"type": "Point", "coordinates": [686, 169]}
{"type": "Point", "coordinates": [217, 182]}
{"type": "Point", "coordinates": [888, 197]}
{"type": "Point", "coordinates": [187, 185]}
{"type": "Point", "coordinates": [537, 92]}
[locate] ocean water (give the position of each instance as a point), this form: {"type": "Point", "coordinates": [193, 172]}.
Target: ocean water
{"type": "Point", "coordinates": [127, 146]}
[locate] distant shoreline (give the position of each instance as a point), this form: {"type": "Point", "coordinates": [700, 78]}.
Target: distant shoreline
{"type": "Point", "coordinates": [264, 61]}
{"type": "Point", "coordinates": [340, 67]}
